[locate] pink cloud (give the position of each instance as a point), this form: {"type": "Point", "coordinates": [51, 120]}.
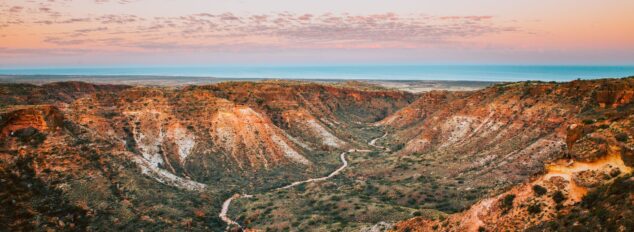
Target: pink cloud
{"type": "Point", "coordinates": [469, 17]}
{"type": "Point", "coordinates": [16, 9]}
{"type": "Point", "coordinates": [305, 17]}
{"type": "Point", "coordinates": [118, 19]}
{"type": "Point", "coordinates": [284, 29]}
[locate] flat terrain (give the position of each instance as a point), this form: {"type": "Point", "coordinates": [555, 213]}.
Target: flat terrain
{"type": "Point", "coordinates": [414, 86]}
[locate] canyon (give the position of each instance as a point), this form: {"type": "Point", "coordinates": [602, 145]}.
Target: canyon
{"type": "Point", "coordinates": [276, 155]}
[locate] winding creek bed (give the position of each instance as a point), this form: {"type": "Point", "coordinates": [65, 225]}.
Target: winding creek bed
{"type": "Point", "coordinates": [344, 164]}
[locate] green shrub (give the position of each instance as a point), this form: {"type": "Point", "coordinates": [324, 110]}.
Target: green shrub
{"type": "Point", "coordinates": [558, 197]}
{"type": "Point", "coordinates": [507, 202]}
{"type": "Point", "coordinates": [411, 202]}
{"type": "Point", "coordinates": [553, 226]}
{"type": "Point", "coordinates": [301, 187]}
{"type": "Point", "coordinates": [30, 136]}
{"type": "Point", "coordinates": [621, 137]}
{"type": "Point", "coordinates": [590, 199]}
{"type": "Point", "coordinates": [398, 147]}
{"type": "Point", "coordinates": [535, 208]}
{"type": "Point", "coordinates": [539, 190]}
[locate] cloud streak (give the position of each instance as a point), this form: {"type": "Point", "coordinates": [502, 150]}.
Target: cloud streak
{"type": "Point", "coordinates": [88, 30]}
{"type": "Point", "coordinates": [212, 31]}
{"type": "Point", "coordinates": [282, 29]}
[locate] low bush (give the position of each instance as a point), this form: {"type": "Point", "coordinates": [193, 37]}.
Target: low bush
{"type": "Point", "coordinates": [588, 121]}
{"type": "Point", "coordinates": [558, 197]}
{"type": "Point", "coordinates": [534, 208]}
{"type": "Point", "coordinates": [621, 137]}
{"type": "Point", "coordinates": [539, 190]}
{"type": "Point", "coordinates": [30, 136]}
{"type": "Point", "coordinates": [507, 202]}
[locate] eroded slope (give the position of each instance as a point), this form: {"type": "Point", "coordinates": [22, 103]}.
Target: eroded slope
{"type": "Point", "coordinates": [82, 156]}
{"type": "Point", "coordinates": [569, 139]}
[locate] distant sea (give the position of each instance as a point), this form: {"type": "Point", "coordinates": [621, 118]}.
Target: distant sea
{"type": "Point", "coordinates": [371, 72]}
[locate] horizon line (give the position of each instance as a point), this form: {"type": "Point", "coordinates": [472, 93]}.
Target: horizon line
{"type": "Point", "coordinates": [314, 65]}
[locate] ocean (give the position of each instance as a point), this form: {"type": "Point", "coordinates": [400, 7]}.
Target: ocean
{"type": "Point", "coordinates": [368, 72]}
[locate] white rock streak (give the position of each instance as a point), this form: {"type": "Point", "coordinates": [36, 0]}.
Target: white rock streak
{"type": "Point", "coordinates": [149, 146]}
{"type": "Point", "coordinates": [184, 141]}
{"type": "Point", "coordinates": [289, 152]}
{"type": "Point", "coordinates": [327, 138]}
{"type": "Point", "coordinates": [165, 177]}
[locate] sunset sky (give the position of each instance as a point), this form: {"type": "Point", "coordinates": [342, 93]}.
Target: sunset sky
{"type": "Point", "coordinates": [77, 33]}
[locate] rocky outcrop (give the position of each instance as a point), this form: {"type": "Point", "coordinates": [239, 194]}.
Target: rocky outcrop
{"type": "Point", "coordinates": [613, 95]}
{"type": "Point", "coordinates": [194, 132]}
{"type": "Point", "coordinates": [530, 204]}
{"type": "Point", "coordinates": [322, 101]}
{"type": "Point", "coordinates": [419, 110]}
{"type": "Point", "coordinates": [126, 157]}
{"type": "Point", "coordinates": [548, 145]}
{"type": "Point", "coordinates": [251, 138]}
{"type": "Point", "coordinates": [42, 118]}
{"type": "Point", "coordinates": [311, 128]}
{"type": "Point", "coordinates": [589, 123]}
{"type": "Point", "coordinates": [28, 125]}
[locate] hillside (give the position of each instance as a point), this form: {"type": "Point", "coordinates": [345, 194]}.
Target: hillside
{"type": "Point", "coordinates": [539, 148]}
{"type": "Point", "coordinates": [519, 156]}
{"type": "Point", "coordinates": [159, 157]}
{"type": "Point", "coordinates": [456, 155]}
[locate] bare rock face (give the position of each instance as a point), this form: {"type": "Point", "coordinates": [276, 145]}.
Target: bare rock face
{"type": "Point", "coordinates": [592, 119]}
{"type": "Point", "coordinates": [29, 125]}
{"type": "Point", "coordinates": [558, 183]}
{"type": "Point", "coordinates": [589, 149]}
{"type": "Point", "coordinates": [200, 132]}
{"type": "Point", "coordinates": [613, 95]}
{"type": "Point", "coordinates": [419, 110]}
{"type": "Point", "coordinates": [42, 118]}
{"type": "Point", "coordinates": [513, 155]}
{"type": "Point", "coordinates": [302, 120]}
{"type": "Point", "coordinates": [627, 156]}
{"type": "Point", "coordinates": [529, 204]}
{"type": "Point", "coordinates": [576, 132]}
{"type": "Point", "coordinates": [241, 130]}
{"type": "Point", "coordinates": [153, 157]}
{"type": "Point", "coordinates": [379, 227]}
{"type": "Point", "coordinates": [591, 178]}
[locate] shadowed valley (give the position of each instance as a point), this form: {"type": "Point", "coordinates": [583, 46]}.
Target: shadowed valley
{"type": "Point", "coordinates": [521, 156]}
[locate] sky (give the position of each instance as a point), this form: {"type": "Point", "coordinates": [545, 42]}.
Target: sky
{"type": "Point", "coordinates": [103, 33]}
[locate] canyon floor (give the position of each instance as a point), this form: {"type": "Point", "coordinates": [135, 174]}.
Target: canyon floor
{"type": "Point", "coordinates": [316, 156]}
